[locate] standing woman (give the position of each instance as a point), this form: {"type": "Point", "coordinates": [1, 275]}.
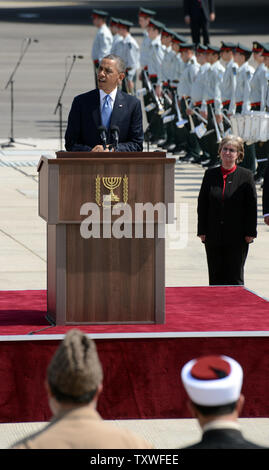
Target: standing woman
{"type": "Point", "coordinates": [227, 214]}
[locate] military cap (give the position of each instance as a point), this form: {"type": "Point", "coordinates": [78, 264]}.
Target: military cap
{"type": "Point", "coordinates": [241, 48]}
{"type": "Point", "coordinates": [187, 45]}
{"type": "Point", "coordinates": [177, 38]}
{"type": "Point", "coordinates": [101, 13]}
{"type": "Point", "coordinates": [146, 12]}
{"type": "Point", "coordinates": [266, 50]}
{"type": "Point", "coordinates": [257, 46]}
{"type": "Point", "coordinates": [213, 49]}
{"type": "Point", "coordinates": [156, 24]}
{"type": "Point", "coordinates": [212, 380]}
{"type": "Point", "coordinates": [125, 23]}
{"type": "Point", "coordinates": [113, 21]}
{"type": "Point", "coordinates": [227, 46]}
{"type": "Point", "coordinates": [167, 32]}
{"type": "Point", "coordinates": [201, 48]}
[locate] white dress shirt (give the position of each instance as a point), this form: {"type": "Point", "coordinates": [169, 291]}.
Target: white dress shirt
{"type": "Point", "coordinates": [112, 96]}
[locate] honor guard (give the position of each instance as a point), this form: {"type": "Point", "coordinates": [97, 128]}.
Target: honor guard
{"type": "Point", "coordinates": [244, 75]}
{"type": "Point", "coordinates": [228, 84]}
{"type": "Point", "coordinates": [130, 55]}
{"type": "Point", "coordinates": [212, 103]}
{"type": "Point", "coordinates": [114, 28]}
{"type": "Point", "coordinates": [257, 100]}
{"type": "Point", "coordinates": [174, 134]}
{"type": "Point", "coordinates": [196, 98]}
{"type": "Point", "coordinates": [187, 79]}
{"type": "Point", "coordinates": [266, 63]}
{"type": "Point", "coordinates": [103, 40]}
{"type": "Point", "coordinates": [156, 55]}
{"type": "Point", "coordinates": [144, 16]}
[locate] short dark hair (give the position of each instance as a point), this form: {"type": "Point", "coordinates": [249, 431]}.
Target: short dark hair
{"type": "Point", "coordinates": [61, 397]}
{"type": "Point", "coordinates": [120, 62]}
{"type": "Point", "coordinates": [220, 410]}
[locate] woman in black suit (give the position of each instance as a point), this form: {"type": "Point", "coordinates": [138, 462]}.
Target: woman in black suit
{"type": "Point", "coordinates": [227, 214]}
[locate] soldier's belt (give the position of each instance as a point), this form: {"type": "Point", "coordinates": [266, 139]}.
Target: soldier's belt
{"type": "Point", "coordinates": [165, 83]}
{"type": "Point", "coordinates": [198, 103]}
{"type": "Point", "coordinates": [226, 102]}
{"type": "Point", "coordinates": [153, 76]}
{"type": "Point", "coordinates": [239, 103]}
{"type": "Point", "coordinates": [258, 103]}
{"type": "Point", "coordinates": [210, 102]}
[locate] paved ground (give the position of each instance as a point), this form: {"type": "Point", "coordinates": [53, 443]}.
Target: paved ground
{"type": "Point", "coordinates": [22, 233]}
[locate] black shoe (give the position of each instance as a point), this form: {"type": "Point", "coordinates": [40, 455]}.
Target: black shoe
{"type": "Point", "coordinates": [161, 142]}
{"type": "Point", "coordinates": [258, 179]}
{"type": "Point", "coordinates": [171, 147]}
{"type": "Point", "coordinates": [212, 163]}
{"type": "Point", "coordinates": [187, 158]}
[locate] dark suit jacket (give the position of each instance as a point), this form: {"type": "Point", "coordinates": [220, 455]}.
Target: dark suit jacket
{"type": "Point", "coordinates": [191, 6]}
{"type": "Point", "coordinates": [265, 193]}
{"type": "Point", "coordinates": [224, 439]}
{"type": "Point", "coordinates": [227, 220]}
{"type": "Point", "coordinates": [84, 119]}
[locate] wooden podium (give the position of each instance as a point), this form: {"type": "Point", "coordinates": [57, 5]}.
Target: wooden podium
{"type": "Point", "coordinates": [103, 280]}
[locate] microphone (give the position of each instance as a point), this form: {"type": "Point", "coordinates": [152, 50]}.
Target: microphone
{"type": "Point", "coordinates": [103, 135]}
{"type": "Point", "coordinates": [115, 135]}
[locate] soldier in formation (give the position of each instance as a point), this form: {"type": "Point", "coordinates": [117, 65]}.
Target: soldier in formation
{"type": "Point", "coordinates": [190, 92]}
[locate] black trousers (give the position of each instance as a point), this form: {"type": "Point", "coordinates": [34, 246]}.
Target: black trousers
{"type": "Point", "coordinates": [199, 24]}
{"type": "Point", "coordinates": [226, 263]}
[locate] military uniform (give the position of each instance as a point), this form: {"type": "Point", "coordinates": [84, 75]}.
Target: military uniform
{"type": "Point", "coordinates": [212, 103]}
{"type": "Point", "coordinates": [128, 50]}
{"type": "Point", "coordinates": [102, 42]}
{"type": "Point", "coordinates": [175, 136]}
{"type": "Point", "coordinates": [228, 84]}
{"type": "Point", "coordinates": [257, 99]}
{"type": "Point", "coordinates": [155, 58]}
{"type": "Point", "coordinates": [117, 38]}
{"type": "Point", "coordinates": [242, 106]}
{"type": "Point", "coordinates": [184, 88]}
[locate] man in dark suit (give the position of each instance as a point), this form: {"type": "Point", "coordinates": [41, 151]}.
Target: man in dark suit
{"type": "Point", "coordinates": [106, 106]}
{"type": "Point", "coordinates": [198, 14]}
{"type": "Point", "coordinates": [213, 385]}
{"type": "Point", "coordinates": [265, 196]}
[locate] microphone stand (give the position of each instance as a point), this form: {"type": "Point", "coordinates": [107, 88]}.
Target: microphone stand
{"type": "Point", "coordinates": [10, 82]}
{"type": "Point", "coordinates": [59, 102]}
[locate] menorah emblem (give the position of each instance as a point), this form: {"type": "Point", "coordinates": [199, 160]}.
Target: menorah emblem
{"type": "Point", "coordinates": [111, 183]}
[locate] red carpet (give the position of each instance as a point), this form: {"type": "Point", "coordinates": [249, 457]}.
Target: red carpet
{"type": "Point", "coordinates": [142, 375]}
{"type": "Point", "coordinates": [187, 309]}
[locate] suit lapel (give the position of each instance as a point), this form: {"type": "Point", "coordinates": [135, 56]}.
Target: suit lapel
{"type": "Point", "coordinates": [96, 115]}
{"type": "Point", "coordinates": [117, 108]}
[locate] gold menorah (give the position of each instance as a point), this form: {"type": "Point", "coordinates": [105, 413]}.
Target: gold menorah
{"type": "Point", "coordinates": [112, 183]}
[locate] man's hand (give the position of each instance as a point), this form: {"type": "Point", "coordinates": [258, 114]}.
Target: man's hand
{"type": "Point", "coordinates": [202, 238]}
{"type": "Point", "coordinates": [189, 111]}
{"type": "Point", "coordinates": [266, 219]}
{"type": "Point", "coordinates": [187, 19]}
{"type": "Point", "coordinates": [219, 118]}
{"type": "Point", "coordinates": [158, 90]}
{"type": "Point", "coordinates": [100, 148]}
{"type": "Point", "coordinates": [212, 17]}
{"type": "Point", "coordinates": [204, 114]}
{"type": "Point", "coordinates": [130, 85]}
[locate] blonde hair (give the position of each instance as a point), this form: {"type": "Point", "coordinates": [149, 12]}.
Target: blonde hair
{"type": "Point", "coordinates": [236, 141]}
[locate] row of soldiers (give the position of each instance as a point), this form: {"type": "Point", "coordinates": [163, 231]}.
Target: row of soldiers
{"type": "Point", "coordinates": [188, 94]}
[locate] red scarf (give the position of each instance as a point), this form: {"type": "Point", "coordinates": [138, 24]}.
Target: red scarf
{"type": "Point", "coordinates": [225, 173]}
